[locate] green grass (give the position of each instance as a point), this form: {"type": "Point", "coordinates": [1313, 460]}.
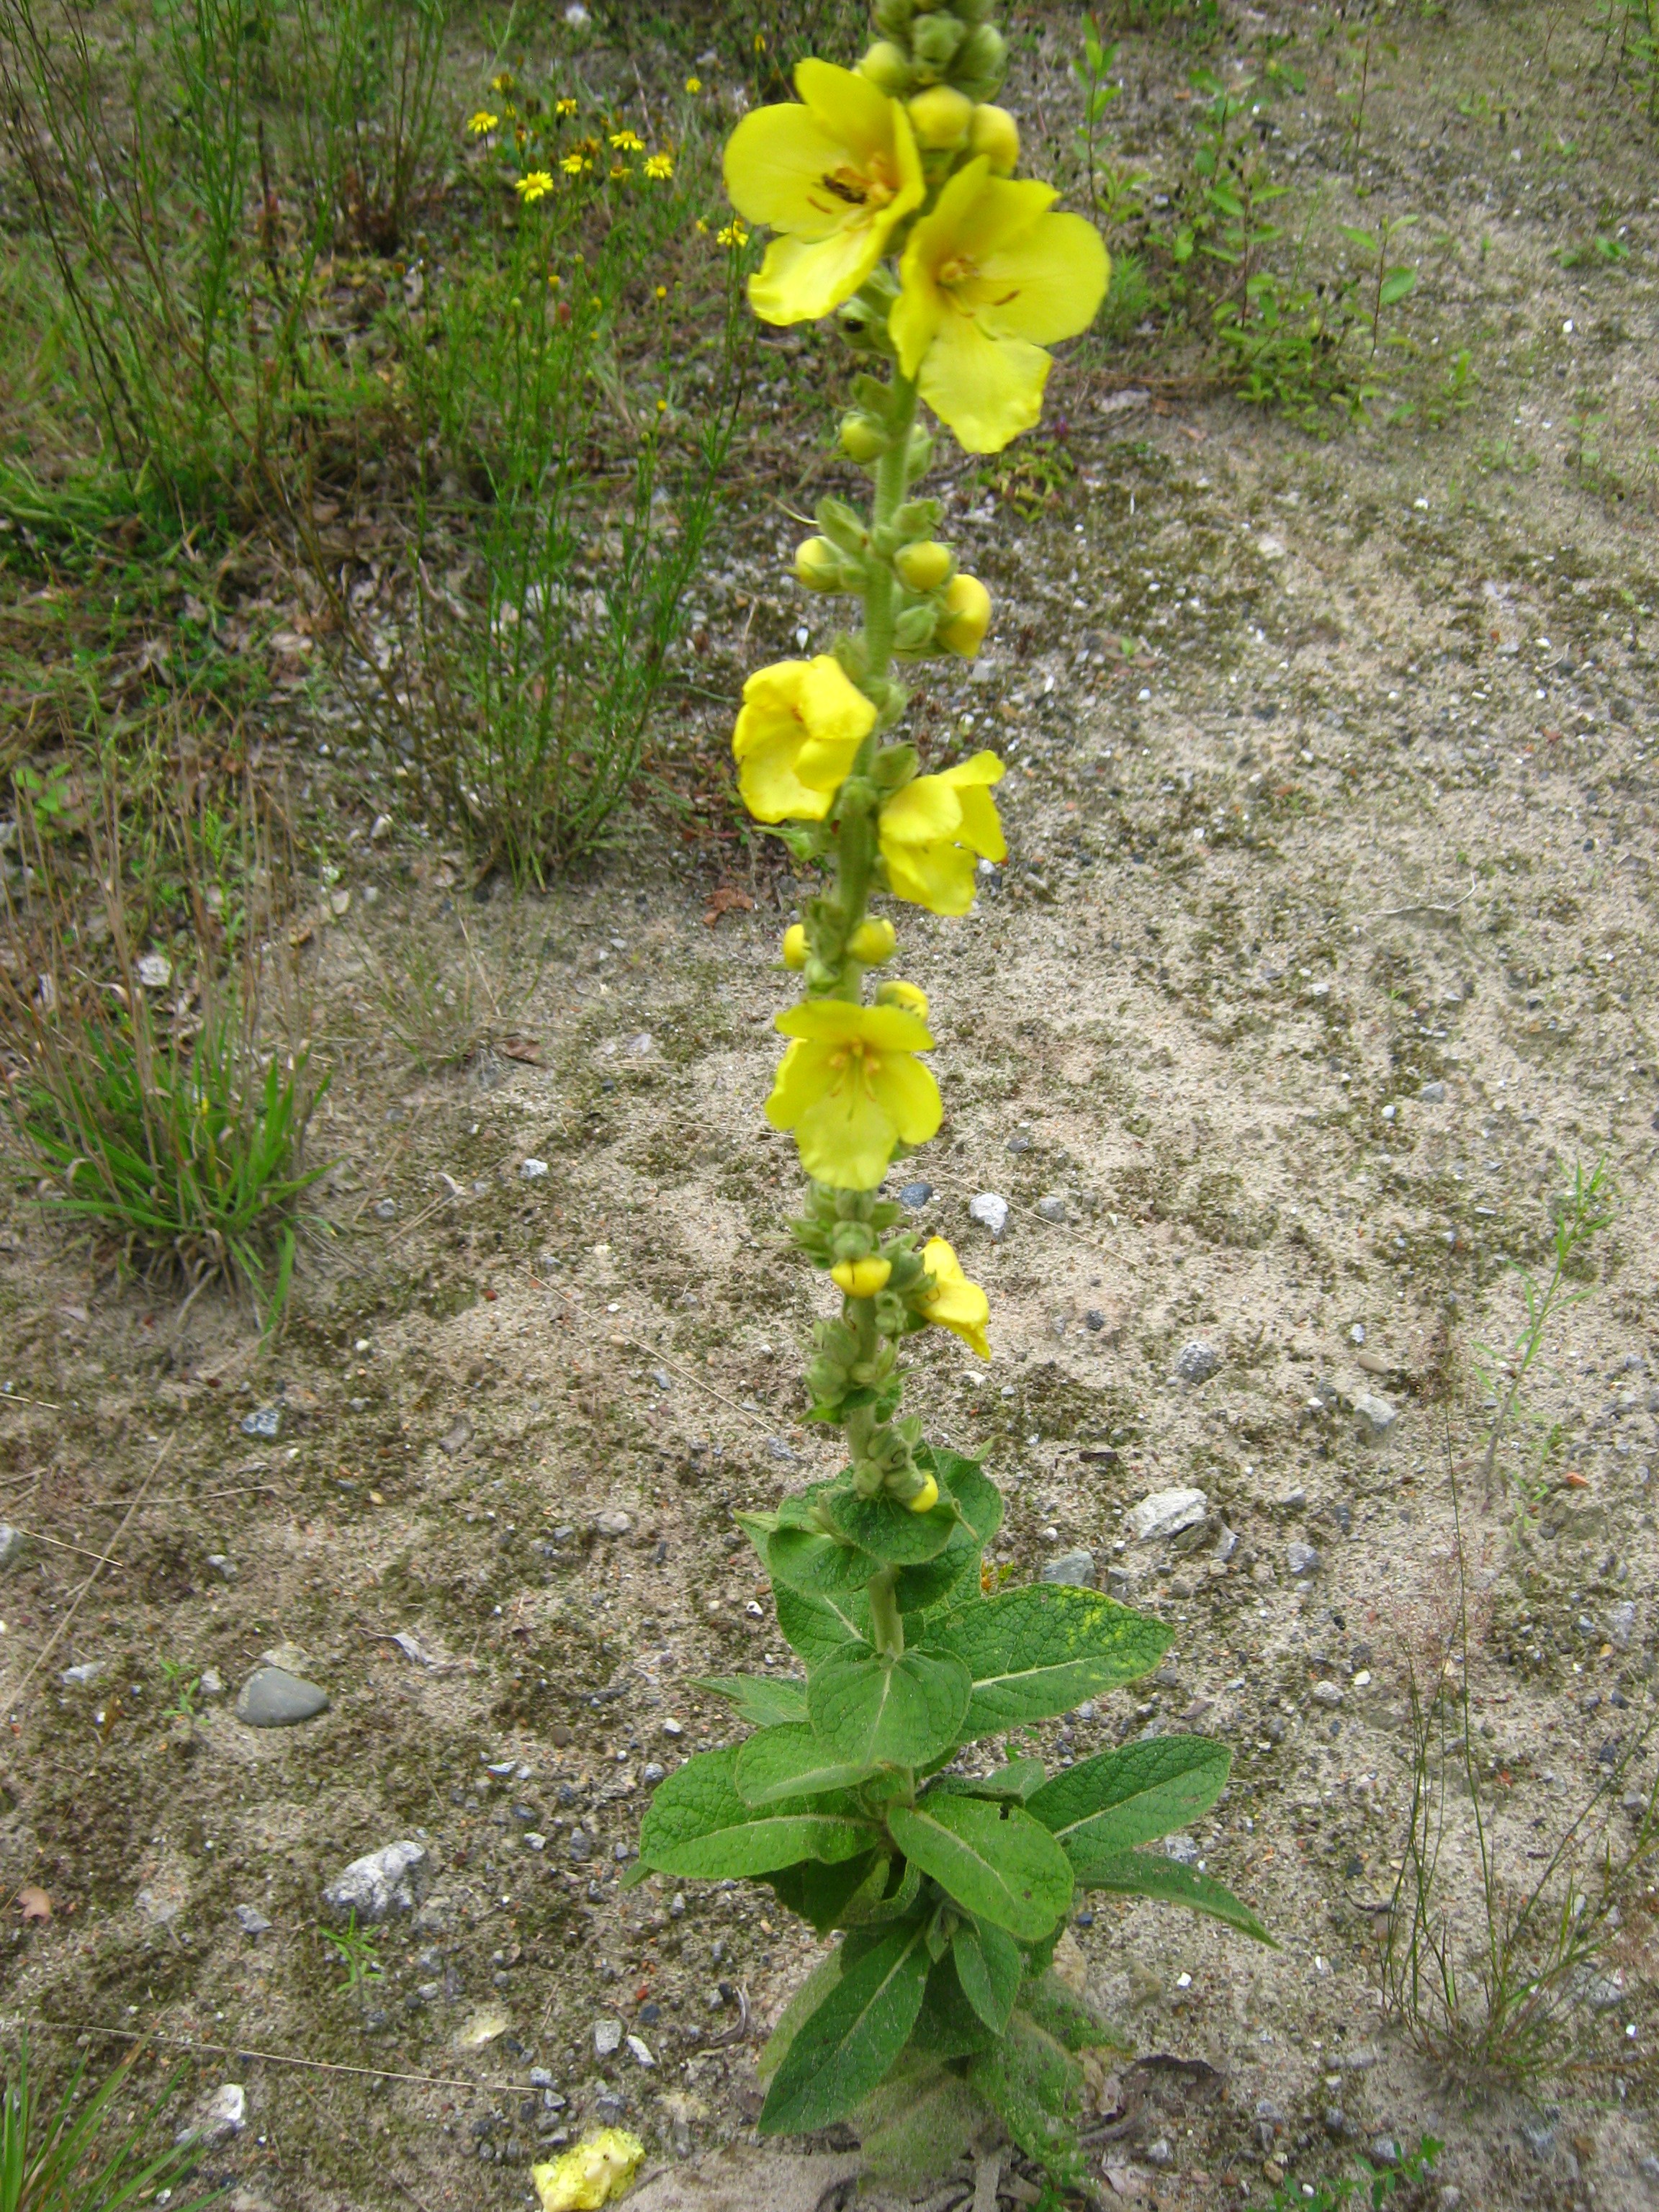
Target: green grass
{"type": "Point", "coordinates": [78, 2154]}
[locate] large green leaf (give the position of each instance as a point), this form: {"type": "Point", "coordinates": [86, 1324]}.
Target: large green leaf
{"type": "Point", "coordinates": [934, 1582]}
{"type": "Point", "coordinates": [698, 1825]}
{"type": "Point", "coordinates": [1148, 1874]}
{"type": "Point", "coordinates": [1033, 2086]}
{"type": "Point", "coordinates": [889, 1530]}
{"type": "Point", "coordinates": [764, 1699]}
{"type": "Point", "coordinates": [989, 1966]}
{"type": "Point", "coordinates": [913, 2124]}
{"type": "Point", "coordinates": [948, 2025]}
{"type": "Point", "coordinates": [1038, 1651]}
{"type": "Point", "coordinates": [839, 2054]}
{"type": "Point", "coordinates": [1051, 2005]}
{"type": "Point", "coordinates": [807, 1559]}
{"type": "Point", "coordinates": [870, 1708]}
{"type": "Point", "coordinates": [817, 1627]}
{"type": "Point", "coordinates": [826, 1897]}
{"type": "Point", "coordinates": [890, 1893]}
{"type": "Point", "coordinates": [791, 1761]}
{"type": "Point", "coordinates": [800, 2009]}
{"type": "Point", "coordinates": [1133, 1796]}
{"type": "Point", "coordinates": [995, 1859]}
{"type": "Point", "coordinates": [1017, 1779]}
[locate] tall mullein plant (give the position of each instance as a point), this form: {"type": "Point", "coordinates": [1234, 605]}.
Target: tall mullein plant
{"type": "Point", "coordinates": [891, 195]}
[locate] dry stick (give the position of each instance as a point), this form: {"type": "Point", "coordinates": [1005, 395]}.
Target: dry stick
{"type": "Point", "coordinates": [274, 2057]}
{"type": "Point", "coordinates": [16, 1398]}
{"type": "Point", "coordinates": [35, 1536]}
{"type": "Point", "coordinates": [188, 1496]}
{"type": "Point", "coordinates": [8, 1703]}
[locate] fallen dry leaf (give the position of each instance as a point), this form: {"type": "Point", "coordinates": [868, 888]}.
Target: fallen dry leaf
{"type": "Point", "coordinates": [722, 901]}
{"type": "Point", "coordinates": [527, 1049]}
{"type": "Point", "coordinates": [35, 1905]}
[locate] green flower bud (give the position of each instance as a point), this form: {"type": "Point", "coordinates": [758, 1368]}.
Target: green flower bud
{"type": "Point", "coordinates": [892, 17]}
{"type": "Point", "coordinates": [851, 1240]}
{"type": "Point", "coordinates": [917, 518]}
{"type": "Point", "coordinates": [818, 566]}
{"type": "Point", "coordinates": [934, 41]}
{"type": "Point", "coordinates": [980, 60]}
{"type": "Point", "coordinates": [913, 632]}
{"type": "Point", "coordinates": [864, 328]}
{"type": "Point", "coordinates": [918, 455]}
{"type": "Point", "coordinates": [888, 67]}
{"type": "Point", "coordinates": [973, 11]}
{"type": "Point", "coordinates": [923, 568]}
{"type": "Point", "coordinates": [893, 767]}
{"type": "Point", "coordinates": [842, 526]}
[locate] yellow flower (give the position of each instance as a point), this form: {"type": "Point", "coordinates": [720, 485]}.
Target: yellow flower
{"type": "Point", "coordinates": [694, 84]}
{"type": "Point", "coordinates": [851, 1088]}
{"type": "Point", "coordinates": [910, 996]}
{"type": "Point", "coordinates": [926, 1498]}
{"type": "Point", "coordinates": [798, 734]}
{"type": "Point", "coordinates": [795, 947]}
{"type": "Point", "coordinates": [483, 121]}
{"type": "Point", "coordinates": [734, 235]}
{"type": "Point", "coordinates": [874, 941]}
{"type": "Point", "coordinates": [502, 82]}
{"type": "Point", "coordinates": [595, 2173]}
{"type": "Point", "coordinates": [659, 167]}
{"type": "Point", "coordinates": [861, 1278]}
{"type": "Point", "coordinates": [536, 186]}
{"type": "Point", "coordinates": [933, 830]}
{"type": "Point", "coordinates": [966, 617]}
{"type": "Point", "coordinates": [566, 106]}
{"type": "Point", "coordinates": [833, 177]}
{"type": "Point", "coordinates": [627, 142]}
{"type": "Point", "coordinates": [620, 172]}
{"type": "Point", "coordinates": [951, 1300]}
{"type": "Point", "coordinates": [574, 163]}
{"type": "Point", "coordinates": [988, 278]}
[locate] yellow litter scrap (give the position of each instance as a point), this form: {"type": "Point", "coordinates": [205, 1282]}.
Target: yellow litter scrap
{"type": "Point", "coordinates": [595, 2172]}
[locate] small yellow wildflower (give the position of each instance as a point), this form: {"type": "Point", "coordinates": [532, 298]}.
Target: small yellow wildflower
{"type": "Point", "coordinates": [534, 186]}
{"type": "Point", "coordinates": [951, 1300]}
{"type": "Point", "coordinates": [700, 228]}
{"type": "Point", "coordinates": [760, 42]}
{"type": "Point", "coordinates": [502, 82]}
{"type": "Point", "coordinates": [659, 165]}
{"type": "Point", "coordinates": [694, 84]}
{"type": "Point", "coordinates": [734, 234]}
{"type": "Point", "coordinates": [574, 164]}
{"type": "Point", "coordinates": [662, 292]}
{"type": "Point", "coordinates": [483, 121]}
{"type": "Point", "coordinates": [620, 172]}
{"type": "Point", "coordinates": [627, 142]}
{"type": "Point", "coordinates": [566, 106]}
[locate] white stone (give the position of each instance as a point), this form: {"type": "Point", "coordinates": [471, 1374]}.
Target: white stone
{"type": "Point", "coordinates": [1379, 1415]}
{"type": "Point", "coordinates": [607, 2037]}
{"type": "Point", "coordinates": [1327, 1693]}
{"type": "Point", "coordinates": [217, 2117]}
{"type": "Point", "coordinates": [532, 1170]}
{"type": "Point", "coordinates": [381, 1883]}
{"type": "Point", "coordinates": [1621, 1623]}
{"type": "Point", "coordinates": [154, 970]}
{"type": "Point", "coordinates": [1165, 1514]}
{"type": "Point", "coordinates": [989, 1211]}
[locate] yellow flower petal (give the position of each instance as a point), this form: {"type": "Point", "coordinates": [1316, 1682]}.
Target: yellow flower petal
{"type": "Point", "coordinates": [933, 832]}
{"type": "Point", "coordinates": [834, 175]}
{"type": "Point", "coordinates": [953, 1302]}
{"type": "Point", "coordinates": [595, 2172]}
{"type": "Point", "coordinates": [861, 1278]}
{"type": "Point", "coordinates": [796, 736]}
{"type": "Point", "coordinates": [851, 1089]}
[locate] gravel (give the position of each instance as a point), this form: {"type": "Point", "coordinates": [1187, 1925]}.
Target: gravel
{"type": "Point", "coordinates": [381, 1883]}
{"type": "Point", "coordinates": [1164, 1514]}
{"type": "Point", "coordinates": [1196, 1362]}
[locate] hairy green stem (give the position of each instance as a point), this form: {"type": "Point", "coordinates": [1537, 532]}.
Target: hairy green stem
{"type": "Point", "coordinates": [892, 480]}
{"type": "Point", "coordinates": [886, 1623]}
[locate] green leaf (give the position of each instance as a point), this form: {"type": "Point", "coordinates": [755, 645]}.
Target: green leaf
{"type": "Point", "coordinates": [920, 1589]}
{"type": "Point", "coordinates": [791, 1761]}
{"type": "Point", "coordinates": [1131, 1797]}
{"type": "Point", "coordinates": [1362, 239]}
{"type": "Point", "coordinates": [1395, 285]}
{"type": "Point", "coordinates": [1071, 2023]}
{"type": "Point", "coordinates": [1017, 1779]}
{"type": "Point", "coordinates": [989, 1966]}
{"type": "Point", "coordinates": [948, 2025]}
{"type": "Point", "coordinates": [1038, 1651]}
{"type": "Point", "coordinates": [828, 1896]}
{"type": "Point", "coordinates": [1148, 1874]}
{"type": "Point", "coordinates": [1034, 2087]}
{"type": "Point", "coordinates": [913, 2124]}
{"type": "Point", "coordinates": [762, 1699]}
{"type": "Point", "coordinates": [818, 1627]}
{"type": "Point", "coordinates": [698, 1825]}
{"type": "Point", "coordinates": [996, 1860]}
{"type": "Point", "coordinates": [875, 1709]}
{"type": "Point", "coordinates": [758, 1527]}
{"type": "Point", "coordinates": [842, 2051]}
{"type": "Point", "coordinates": [966, 1480]}
{"type": "Point", "coordinates": [809, 1561]}
{"type": "Point", "coordinates": [800, 2009]}
{"type": "Point", "coordinates": [895, 1535]}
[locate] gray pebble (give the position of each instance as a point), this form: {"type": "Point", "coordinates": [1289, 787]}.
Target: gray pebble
{"type": "Point", "coordinates": [1375, 1413]}
{"type": "Point", "coordinates": [582, 1845]}
{"type": "Point", "coordinates": [1539, 2137]}
{"type": "Point", "coordinates": [386, 1210]}
{"type": "Point", "coordinates": [607, 2037]}
{"type": "Point", "coordinates": [1159, 2153]}
{"type": "Point", "coordinates": [272, 1698]}
{"type": "Point", "coordinates": [1182, 1849]}
{"type": "Point", "coordinates": [779, 1450]}
{"type": "Point", "coordinates": [1328, 1694]}
{"type": "Point", "coordinates": [379, 1883]}
{"type": "Point", "coordinates": [1075, 1568]}
{"type": "Point", "coordinates": [1165, 1513]}
{"type": "Point", "coordinates": [1197, 1361]}
{"type": "Point", "coordinates": [1094, 1319]}
{"type": "Point", "coordinates": [1432, 1094]}
{"type": "Point", "coordinates": [653, 1773]}
{"type": "Point", "coordinates": [83, 1676]}
{"type": "Point", "coordinates": [266, 1423]}
{"type": "Point", "coordinates": [251, 1920]}
{"type": "Point", "coordinates": [613, 1522]}
{"type": "Point", "coordinates": [916, 1196]}
{"type": "Point", "coordinates": [223, 1565]}
{"type": "Point", "coordinates": [11, 1543]}
{"type": "Point", "coordinates": [1385, 2150]}
{"type": "Point", "coordinates": [1301, 1558]}
{"type": "Point", "coordinates": [212, 1683]}
{"type": "Point", "coordinates": [1052, 1207]}
{"type": "Point", "coordinates": [990, 1210]}
{"type": "Point", "coordinates": [1621, 1623]}
{"type": "Point", "coordinates": [1336, 2121]}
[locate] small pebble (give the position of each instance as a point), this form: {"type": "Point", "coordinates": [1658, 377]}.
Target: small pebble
{"type": "Point", "coordinates": [1197, 1361]}
{"type": "Point", "coordinates": [613, 1522]}
{"type": "Point", "coordinates": [272, 1698]}
{"type": "Point", "coordinates": [11, 1543]}
{"type": "Point", "coordinates": [532, 1170]}
{"type": "Point", "coordinates": [1432, 1094]}
{"type": "Point", "coordinates": [1301, 1558]}
{"type": "Point", "coordinates": [607, 2037]}
{"type": "Point", "coordinates": [916, 1196]}
{"type": "Point", "coordinates": [1076, 1568]}
{"type": "Point", "coordinates": [1052, 1207]}
{"type": "Point", "coordinates": [251, 1920]}
{"type": "Point", "coordinates": [386, 1210]}
{"type": "Point", "coordinates": [990, 1210]}
{"type": "Point", "coordinates": [266, 1423]}
{"type": "Point", "coordinates": [83, 1676]}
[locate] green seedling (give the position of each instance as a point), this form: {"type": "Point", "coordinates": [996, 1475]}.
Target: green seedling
{"type": "Point", "coordinates": [1371, 2185]}
{"type": "Point", "coordinates": [355, 1954]}
{"type": "Point", "coordinates": [184, 1685]}
{"type": "Point", "coordinates": [1386, 283]}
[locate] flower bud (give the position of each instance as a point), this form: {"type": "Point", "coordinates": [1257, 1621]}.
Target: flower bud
{"type": "Point", "coordinates": [893, 17]}
{"type": "Point", "coordinates": [794, 947]}
{"type": "Point", "coordinates": [843, 526]}
{"type": "Point", "coordinates": [982, 60]}
{"type": "Point", "coordinates": [861, 1279]}
{"type": "Point", "coordinates": [926, 1498]}
{"type": "Point", "coordinates": [893, 766]}
{"type": "Point", "coordinates": [909, 997]}
{"type": "Point", "coordinates": [864, 438]}
{"type": "Point", "coordinates": [940, 117]}
{"type": "Point", "coordinates": [934, 41]}
{"type": "Point", "coordinates": [872, 942]}
{"type": "Point", "coordinates": [995, 133]}
{"type": "Point", "coordinates": [818, 565]}
{"type": "Point", "coordinates": [924, 567]}
{"type": "Point", "coordinates": [888, 67]}
{"type": "Point", "coordinates": [918, 455]}
{"type": "Point", "coordinates": [916, 628]}
{"type": "Point", "coordinates": [966, 617]}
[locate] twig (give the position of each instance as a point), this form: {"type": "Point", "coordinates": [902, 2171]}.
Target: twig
{"type": "Point", "coordinates": [9, 1702]}
{"type": "Point", "coordinates": [189, 1497]}
{"type": "Point", "coordinates": [277, 2057]}
{"type": "Point", "coordinates": [724, 2041]}
{"type": "Point", "coordinates": [16, 1398]}
{"type": "Point", "coordinates": [35, 1536]}
{"type": "Point", "coordinates": [1396, 913]}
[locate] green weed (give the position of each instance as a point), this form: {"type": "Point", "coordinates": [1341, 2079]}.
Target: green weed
{"type": "Point", "coordinates": [355, 1953]}
{"type": "Point", "coordinates": [78, 2155]}
{"type": "Point", "coordinates": [1369, 2185]}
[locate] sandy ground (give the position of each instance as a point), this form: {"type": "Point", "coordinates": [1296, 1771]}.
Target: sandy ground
{"type": "Point", "coordinates": [1323, 953]}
